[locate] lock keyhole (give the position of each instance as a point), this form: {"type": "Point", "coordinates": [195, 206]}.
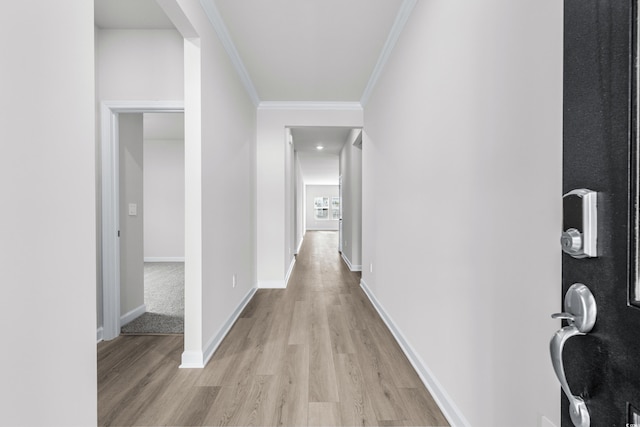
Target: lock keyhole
{"type": "Point", "coordinates": [571, 241]}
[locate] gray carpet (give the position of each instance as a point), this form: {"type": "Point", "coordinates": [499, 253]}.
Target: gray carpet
{"type": "Point", "coordinates": [164, 298]}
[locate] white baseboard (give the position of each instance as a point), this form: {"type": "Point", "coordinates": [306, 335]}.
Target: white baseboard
{"type": "Point", "coordinates": [99, 334]}
{"type": "Point", "coordinates": [289, 271]}
{"type": "Point", "coordinates": [272, 284]}
{"type": "Point", "coordinates": [132, 315]}
{"type": "Point", "coordinates": [164, 259]}
{"type": "Point", "coordinates": [192, 359]}
{"type": "Point", "coordinates": [197, 359]}
{"type": "Point", "coordinates": [442, 398]}
{"type": "Point", "coordinates": [352, 267]}
{"type": "Point", "coordinates": [299, 245]}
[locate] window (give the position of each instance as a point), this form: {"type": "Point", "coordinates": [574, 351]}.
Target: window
{"type": "Point", "coordinates": [323, 210]}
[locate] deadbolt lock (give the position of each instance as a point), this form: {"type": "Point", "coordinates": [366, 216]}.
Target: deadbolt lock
{"type": "Point", "coordinates": [580, 225]}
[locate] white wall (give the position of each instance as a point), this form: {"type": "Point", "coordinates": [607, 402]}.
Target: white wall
{"type": "Point", "coordinates": [462, 200]}
{"type": "Point", "coordinates": [301, 222]}
{"type": "Point", "coordinates": [98, 189]}
{"type": "Point", "coordinates": [275, 225]}
{"type": "Point", "coordinates": [313, 191]}
{"type": "Point", "coordinates": [228, 135]}
{"type": "Point", "coordinates": [290, 200]}
{"type": "Point", "coordinates": [48, 238]}
{"type": "Point", "coordinates": [164, 199]}
{"type": "Point", "coordinates": [351, 173]}
{"type": "Point", "coordinates": [131, 226]}
{"type": "Point", "coordinates": [140, 65]}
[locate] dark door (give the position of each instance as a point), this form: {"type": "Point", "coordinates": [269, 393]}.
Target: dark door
{"type": "Point", "coordinates": [600, 154]}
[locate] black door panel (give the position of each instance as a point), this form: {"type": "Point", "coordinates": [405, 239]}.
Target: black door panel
{"type": "Point", "coordinates": [598, 153]}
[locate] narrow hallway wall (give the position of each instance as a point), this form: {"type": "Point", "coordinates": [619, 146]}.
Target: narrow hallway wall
{"type": "Point", "coordinates": [228, 138]}
{"type": "Point", "coordinates": [131, 240]}
{"type": "Point", "coordinates": [351, 173]}
{"type": "Point", "coordinates": [462, 201]}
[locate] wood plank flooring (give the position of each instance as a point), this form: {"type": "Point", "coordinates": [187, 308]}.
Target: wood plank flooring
{"type": "Point", "coordinates": [314, 354]}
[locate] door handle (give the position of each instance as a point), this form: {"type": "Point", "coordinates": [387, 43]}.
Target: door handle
{"type": "Point", "coordinates": [580, 312]}
{"type": "Point", "coordinates": [577, 408]}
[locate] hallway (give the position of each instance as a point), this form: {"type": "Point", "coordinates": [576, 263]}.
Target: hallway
{"type": "Point", "coordinates": [316, 353]}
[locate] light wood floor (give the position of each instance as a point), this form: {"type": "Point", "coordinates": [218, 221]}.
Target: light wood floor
{"type": "Point", "coordinates": [315, 354]}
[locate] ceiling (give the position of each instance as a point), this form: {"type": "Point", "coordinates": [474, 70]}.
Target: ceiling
{"type": "Point", "coordinates": [306, 139]}
{"type": "Point", "coordinates": [290, 50]}
{"type": "Point", "coordinates": [130, 14]}
{"type": "Point", "coordinates": [319, 167]}
{"type": "Point", "coordinates": [311, 50]}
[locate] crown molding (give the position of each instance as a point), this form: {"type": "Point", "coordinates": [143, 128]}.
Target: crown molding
{"type": "Point", "coordinates": [398, 25]}
{"type": "Point", "coordinates": [213, 14]}
{"type": "Point", "coordinates": [310, 105]}
{"type": "Point", "coordinates": [400, 21]}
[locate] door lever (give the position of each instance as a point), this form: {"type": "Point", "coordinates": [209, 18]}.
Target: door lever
{"type": "Point", "coordinates": [577, 408]}
{"type": "Point", "coordinates": [580, 312]}
{"type": "Point", "coordinates": [564, 316]}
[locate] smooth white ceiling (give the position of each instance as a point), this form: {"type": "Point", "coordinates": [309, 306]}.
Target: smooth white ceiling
{"type": "Point", "coordinates": [319, 167]}
{"type": "Point", "coordinates": [309, 50]}
{"type": "Point", "coordinates": [292, 50]}
{"type": "Point", "coordinates": [163, 125]}
{"type": "Point", "coordinates": [130, 14]}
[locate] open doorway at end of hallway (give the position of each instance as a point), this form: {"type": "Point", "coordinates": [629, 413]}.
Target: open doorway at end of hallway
{"type": "Point", "coordinates": [326, 166]}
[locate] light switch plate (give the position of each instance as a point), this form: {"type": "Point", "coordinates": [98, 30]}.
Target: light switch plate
{"type": "Point", "coordinates": [133, 209]}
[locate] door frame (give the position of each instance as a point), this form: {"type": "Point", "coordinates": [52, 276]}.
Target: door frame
{"type": "Point", "coordinates": [110, 194]}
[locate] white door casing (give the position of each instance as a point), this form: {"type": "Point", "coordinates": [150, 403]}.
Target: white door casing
{"type": "Point", "coordinates": [110, 202]}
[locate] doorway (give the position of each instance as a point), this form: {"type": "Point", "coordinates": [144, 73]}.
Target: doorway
{"type": "Point", "coordinates": [111, 205]}
{"type": "Point", "coordinates": [327, 163]}
{"type": "Point", "coordinates": [152, 233]}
